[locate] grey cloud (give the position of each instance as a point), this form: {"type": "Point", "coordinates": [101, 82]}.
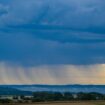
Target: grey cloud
{"type": "Point", "coordinates": [59, 33]}
{"type": "Point", "coordinates": [25, 49]}
{"type": "Point", "coordinates": [72, 13]}
{"type": "Point", "coordinates": [39, 32]}
{"type": "Point", "coordinates": [3, 9]}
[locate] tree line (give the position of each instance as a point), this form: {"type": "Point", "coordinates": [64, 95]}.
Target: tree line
{"type": "Point", "coordinates": [66, 96]}
{"type": "Point", "coordinates": [55, 96]}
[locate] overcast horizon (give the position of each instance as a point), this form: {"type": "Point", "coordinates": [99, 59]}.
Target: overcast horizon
{"type": "Point", "coordinates": [52, 42]}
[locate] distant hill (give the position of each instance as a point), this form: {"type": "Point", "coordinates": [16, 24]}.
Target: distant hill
{"type": "Point", "coordinates": [59, 88]}
{"type": "Point", "coordinates": [5, 90]}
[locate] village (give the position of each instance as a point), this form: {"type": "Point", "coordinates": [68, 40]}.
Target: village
{"type": "Point", "coordinates": [15, 98]}
{"type": "Point", "coordinates": [51, 97]}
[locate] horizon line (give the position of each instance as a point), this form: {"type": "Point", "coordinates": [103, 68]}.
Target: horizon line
{"type": "Point", "coordinates": [53, 84]}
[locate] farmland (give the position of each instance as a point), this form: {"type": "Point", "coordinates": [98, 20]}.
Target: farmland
{"type": "Point", "coordinates": [64, 103]}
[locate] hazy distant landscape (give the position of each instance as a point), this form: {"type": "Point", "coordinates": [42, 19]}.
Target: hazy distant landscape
{"type": "Point", "coordinates": [54, 88]}
{"type": "Point", "coordinates": [53, 94]}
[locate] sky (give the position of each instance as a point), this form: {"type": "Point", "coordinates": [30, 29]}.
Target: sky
{"type": "Point", "coordinates": [52, 42]}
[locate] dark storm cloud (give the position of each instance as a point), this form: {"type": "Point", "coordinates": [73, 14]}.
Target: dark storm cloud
{"type": "Point", "coordinates": [39, 32]}
{"type": "Point", "coordinates": [3, 10]}
{"type": "Point", "coordinates": [28, 50]}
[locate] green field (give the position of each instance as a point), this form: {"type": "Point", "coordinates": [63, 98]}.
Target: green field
{"type": "Point", "coordinates": [65, 103]}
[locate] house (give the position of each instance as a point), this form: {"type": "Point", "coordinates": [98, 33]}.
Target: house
{"type": "Point", "coordinates": [75, 96]}
{"type": "Point", "coordinates": [3, 97]}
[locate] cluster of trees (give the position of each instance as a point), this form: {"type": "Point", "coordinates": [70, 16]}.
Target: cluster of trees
{"type": "Point", "coordinates": [67, 96]}
{"type": "Point", "coordinates": [90, 96]}
{"type": "Point", "coordinates": [5, 101]}
{"type": "Point", "coordinates": [55, 96]}
{"type": "Point", "coordinates": [51, 96]}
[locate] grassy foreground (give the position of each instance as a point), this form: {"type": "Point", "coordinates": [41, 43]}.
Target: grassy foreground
{"type": "Point", "coordinates": [64, 103]}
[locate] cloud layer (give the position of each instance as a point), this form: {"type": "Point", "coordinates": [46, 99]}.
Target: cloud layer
{"type": "Point", "coordinates": [52, 32]}
{"type": "Point", "coordinates": [37, 33]}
